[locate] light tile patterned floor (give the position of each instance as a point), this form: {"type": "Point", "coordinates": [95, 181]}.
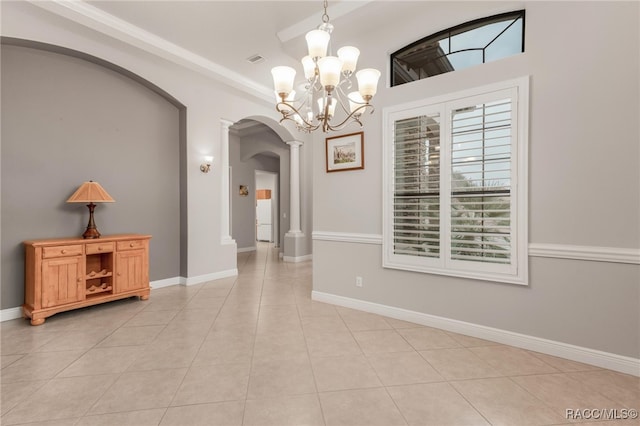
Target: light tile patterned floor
{"type": "Point", "coordinates": [256, 350]}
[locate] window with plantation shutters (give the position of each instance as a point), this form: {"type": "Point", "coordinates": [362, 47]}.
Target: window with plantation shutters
{"type": "Point", "coordinates": [455, 179]}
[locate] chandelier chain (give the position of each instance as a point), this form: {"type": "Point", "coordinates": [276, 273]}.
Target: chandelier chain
{"type": "Point", "coordinates": [325, 17]}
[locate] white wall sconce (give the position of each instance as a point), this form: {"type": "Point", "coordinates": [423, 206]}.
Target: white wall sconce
{"type": "Point", "coordinates": [206, 166]}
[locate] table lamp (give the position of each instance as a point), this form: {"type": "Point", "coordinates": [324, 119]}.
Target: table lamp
{"type": "Point", "coordinates": [91, 192]}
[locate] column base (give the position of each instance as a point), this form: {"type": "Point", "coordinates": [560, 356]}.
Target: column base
{"type": "Point", "coordinates": [293, 246]}
{"type": "Point", "coordinates": [227, 240]}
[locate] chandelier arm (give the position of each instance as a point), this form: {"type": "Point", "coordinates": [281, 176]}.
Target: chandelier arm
{"type": "Point", "coordinates": [292, 111]}
{"type": "Point", "coordinates": [315, 81]}
{"type": "Point", "coordinates": [344, 108]}
{"type": "Point", "coordinates": [340, 96]}
{"type": "Point", "coordinates": [355, 116]}
{"type": "Point", "coordinates": [306, 127]}
{"type": "Point", "coordinates": [346, 80]}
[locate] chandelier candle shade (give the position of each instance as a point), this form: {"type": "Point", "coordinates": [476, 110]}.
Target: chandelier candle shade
{"type": "Point", "coordinates": [91, 192]}
{"type": "Point", "coordinates": [328, 81]}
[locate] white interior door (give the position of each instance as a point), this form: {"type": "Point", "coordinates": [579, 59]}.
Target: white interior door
{"type": "Point", "coordinates": [263, 220]}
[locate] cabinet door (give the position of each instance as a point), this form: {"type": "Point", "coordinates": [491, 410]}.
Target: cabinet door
{"type": "Point", "coordinates": [131, 270]}
{"type": "Point", "coordinates": [62, 281]}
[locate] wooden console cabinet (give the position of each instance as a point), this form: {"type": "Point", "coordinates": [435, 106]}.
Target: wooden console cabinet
{"type": "Point", "coordinates": [70, 273]}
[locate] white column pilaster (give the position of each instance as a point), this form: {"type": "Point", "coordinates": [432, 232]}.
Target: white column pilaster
{"type": "Point", "coordinates": [294, 188]}
{"type": "Point", "coordinates": [225, 202]}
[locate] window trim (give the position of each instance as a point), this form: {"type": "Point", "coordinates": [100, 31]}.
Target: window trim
{"type": "Point", "coordinates": [471, 25]}
{"type": "Point", "coordinates": [519, 187]}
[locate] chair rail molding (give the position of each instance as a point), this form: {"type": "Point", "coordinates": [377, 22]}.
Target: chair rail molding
{"type": "Point", "coordinates": [346, 237]}
{"type": "Point", "coordinates": [591, 253]}
{"type": "Point", "coordinates": [558, 251]}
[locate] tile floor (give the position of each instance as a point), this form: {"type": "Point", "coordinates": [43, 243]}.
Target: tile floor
{"type": "Point", "coordinates": [255, 350]}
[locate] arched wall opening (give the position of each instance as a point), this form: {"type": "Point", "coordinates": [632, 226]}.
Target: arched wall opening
{"type": "Point", "coordinates": [258, 144]}
{"type": "Point", "coordinates": [69, 117]}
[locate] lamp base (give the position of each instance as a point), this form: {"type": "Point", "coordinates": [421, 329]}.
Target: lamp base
{"type": "Point", "coordinates": [92, 231]}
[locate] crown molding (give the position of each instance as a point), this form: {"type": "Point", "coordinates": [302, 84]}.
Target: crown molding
{"type": "Point", "coordinates": [112, 26]}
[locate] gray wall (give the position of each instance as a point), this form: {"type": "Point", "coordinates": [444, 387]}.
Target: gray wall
{"type": "Point", "coordinates": [584, 182]}
{"type": "Point", "coordinates": [65, 121]}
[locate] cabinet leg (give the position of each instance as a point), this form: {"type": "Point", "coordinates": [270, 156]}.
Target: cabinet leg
{"type": "Point", "coordinates": [146, 297]}
{"type": "Point", "coordinates": [37, 321]}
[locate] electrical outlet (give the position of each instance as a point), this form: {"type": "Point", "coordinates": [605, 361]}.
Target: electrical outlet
{"type": "Point", "coordinates": [358, 281]}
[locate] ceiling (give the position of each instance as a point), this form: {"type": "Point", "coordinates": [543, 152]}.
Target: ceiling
{"type": "Point", "coordinates": [217, 37]}
{"type": "Point", "coordinates": [220, 36]}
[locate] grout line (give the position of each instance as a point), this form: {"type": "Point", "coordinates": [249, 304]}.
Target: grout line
{"type": "Point", "coordinates": [201, 343]}
{"type": "Point", "coordinates": [313, 374]}
{"type": "Point", "coordinates": [255, 332]}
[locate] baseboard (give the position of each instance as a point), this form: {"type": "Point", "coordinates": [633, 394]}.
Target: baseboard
{"type": "Point", "coordinates": [167, 282]}
{"type": "Point", "coordinates": [293, 259]}
{"type": "Point", "coordinates": [228, 241]}
{"type": "Point", "coordinates": [211, 277]}
{"type": "Point", "coordinates": [245, 249]}
{"type": "Point", "coordinates": [10, 314]}
{"type": "Point", "coordinates": [595, 357]}
{"type": "Point", "coordinates": [13, 313]}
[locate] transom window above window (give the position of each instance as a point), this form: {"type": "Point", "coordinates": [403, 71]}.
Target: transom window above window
{"type": "Point", "coordinates": [471, 43]}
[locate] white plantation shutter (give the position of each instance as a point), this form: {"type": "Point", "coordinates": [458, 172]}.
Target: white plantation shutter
{"type": "Point", "coordinates": [481, 182]}
{"type": "Point", "coordinates": [456, 197]}
{"type": "Point", "coordinates": [416, 202]}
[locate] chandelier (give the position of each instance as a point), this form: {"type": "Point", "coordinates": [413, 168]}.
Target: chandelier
{"type": "Point", "coordinates": [327, 87]}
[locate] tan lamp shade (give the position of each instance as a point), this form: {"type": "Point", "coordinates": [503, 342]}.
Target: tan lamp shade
{"type": "Point", "coordinates": [90, 192]}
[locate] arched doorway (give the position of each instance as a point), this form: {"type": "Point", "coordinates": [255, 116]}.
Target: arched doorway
{"type": "Point", "coordinates": [256, 148]}
{"type": "Point", "coordinates": [258, 135]}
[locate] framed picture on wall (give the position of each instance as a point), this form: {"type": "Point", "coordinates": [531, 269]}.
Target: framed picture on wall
{"type": "Point", "coordinates": [345, 152]}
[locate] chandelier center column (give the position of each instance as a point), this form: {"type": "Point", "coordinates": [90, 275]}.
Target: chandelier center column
{"type": "Point", "coordinates": [225, 203]}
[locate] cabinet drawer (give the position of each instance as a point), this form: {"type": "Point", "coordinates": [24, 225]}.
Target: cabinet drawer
{"type": "Point", "coordinates": [61, 251]}
{"type": "Point", "coordinates": [130, 245]}
{"type": "Point", "coordinates": [100, 248]}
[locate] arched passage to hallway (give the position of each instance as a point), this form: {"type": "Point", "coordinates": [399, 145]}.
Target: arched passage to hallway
{"type": "Point", "coordinates": [260, 143]}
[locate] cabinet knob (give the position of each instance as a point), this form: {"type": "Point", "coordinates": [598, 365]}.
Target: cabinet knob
{"type": "Point", "coordinates": [130, 244]}
{"type": "Point", "coordinates": [79, 280]}
{"type": "Point", "coordinates": [63, 251]}
{"type": "Point", "coordinates": [119, 274]}
{"type": "Point", "coordinates": [99, 248]}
